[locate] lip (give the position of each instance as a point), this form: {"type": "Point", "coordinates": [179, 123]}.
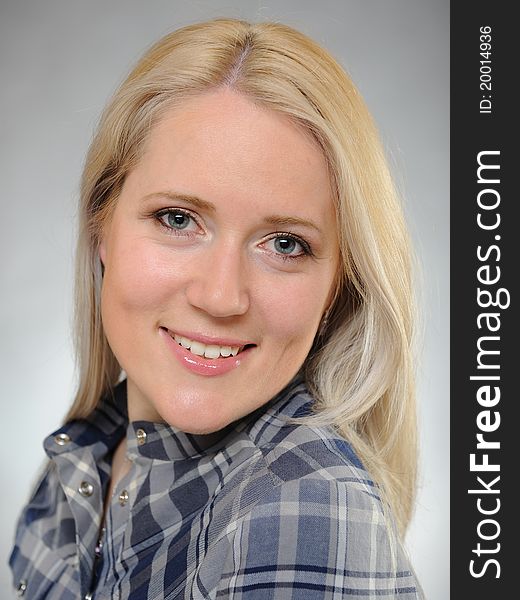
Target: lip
{"type": "Point", "coordinates": [204, 339]}
{"type": "Point", "coordinates": [199, 364]}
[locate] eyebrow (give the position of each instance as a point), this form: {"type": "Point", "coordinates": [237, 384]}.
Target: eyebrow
{"type": "Point", "coordinates": [199, 203]}
{"type": "Point", "coordinates": [193, 200]}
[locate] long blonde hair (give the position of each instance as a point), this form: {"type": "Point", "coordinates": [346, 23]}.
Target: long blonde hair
{"type": "Point", "coordinates": [360, 367]}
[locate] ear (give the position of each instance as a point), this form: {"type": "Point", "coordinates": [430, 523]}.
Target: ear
{"type": "Point", "coordinates": [102, 251]}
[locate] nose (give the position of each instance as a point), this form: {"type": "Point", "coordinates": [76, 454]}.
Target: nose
{"type": "Point", "coordinates": [218, 285]}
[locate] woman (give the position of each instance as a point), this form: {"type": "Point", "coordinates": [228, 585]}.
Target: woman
{"type": "Point", "coordinates": [244, 424]}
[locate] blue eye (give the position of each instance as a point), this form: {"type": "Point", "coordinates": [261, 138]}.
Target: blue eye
{"type": "Point", "coordinates": [177, 220]}
{"type": "Point", "coordinates": [285, 245]}
{"type": "Point", "coordinates": [288, 247]}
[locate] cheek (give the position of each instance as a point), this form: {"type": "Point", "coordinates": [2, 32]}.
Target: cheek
{"type": "Point", "coordinates": [140, 278]}
{"type": "Point", "coordinates": [292, 310]}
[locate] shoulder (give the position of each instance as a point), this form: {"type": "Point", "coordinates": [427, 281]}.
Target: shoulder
{"type": "Point", "coordinates": [321, 490]}
{"type": "Point", "coordinates": [315, 461]}
{"type": "Point", "coordinates": [308, 466]}
{"type": "Point", "coordinates": [320, 524]}
{"type": "Point", "coordinates": [318, 533]}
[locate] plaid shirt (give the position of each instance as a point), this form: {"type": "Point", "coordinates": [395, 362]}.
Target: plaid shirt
{"type": "Point", "coordinates": [260, 510]}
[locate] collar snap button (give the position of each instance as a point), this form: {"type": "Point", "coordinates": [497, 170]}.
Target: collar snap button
{"type": "Point", "coordinates": [61, 439]}
{"type": "Point", "coordinates": [86, 489]}
{"type": "Point", "coordinates": [123, 497]}
{"type": "Point", "coordinates": [140, 434]}
{"type": "Point", "coordinates": [22, 586]}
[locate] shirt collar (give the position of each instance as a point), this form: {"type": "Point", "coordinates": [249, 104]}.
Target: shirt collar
{"type": "Point", "coordinates": [105, 427]}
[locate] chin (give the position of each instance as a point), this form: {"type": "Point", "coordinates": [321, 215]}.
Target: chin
{"type": "Point", "coordinates": [197, 415]}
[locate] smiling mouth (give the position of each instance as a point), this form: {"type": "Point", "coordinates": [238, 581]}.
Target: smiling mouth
{"type": "Point", "coordinates": [211, 351]}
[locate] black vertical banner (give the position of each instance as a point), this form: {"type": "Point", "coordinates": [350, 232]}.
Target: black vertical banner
{"type": "Point", "coordinates": [485, 268]}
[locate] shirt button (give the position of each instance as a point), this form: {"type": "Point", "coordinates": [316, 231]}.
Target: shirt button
{"type": "Point", "coordinates": [86, 489]}
{"type": "Point", "coordinates": [141, 436]}
{"type": "Point", "coordinates": [61, 439]}
{"type": "Point", "coordinates": [22, 586]}
{"type": "Point", "coordinates": [123, 497]}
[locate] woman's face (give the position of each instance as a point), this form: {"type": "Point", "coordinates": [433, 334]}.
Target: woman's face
{"type": "Point", "coordinates": [220, 260]}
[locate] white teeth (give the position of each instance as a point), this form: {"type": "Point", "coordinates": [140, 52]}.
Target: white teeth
{"type": "Point", "coordinates": [209, 350]}
{"type": "Point", "coordinates": [212, 352]}
{"type": "Point", "coordinates": [197, 348]}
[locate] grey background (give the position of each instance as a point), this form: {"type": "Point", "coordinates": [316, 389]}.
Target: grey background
{"type": "Point", "coordinates": [59, 62]}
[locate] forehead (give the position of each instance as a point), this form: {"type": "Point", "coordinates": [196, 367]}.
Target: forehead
{"type": "Point", "coordinates": [221, 145]}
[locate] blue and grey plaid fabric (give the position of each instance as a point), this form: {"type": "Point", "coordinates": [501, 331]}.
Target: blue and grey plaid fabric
{"type": "Point", "coordinates": [261, 510]}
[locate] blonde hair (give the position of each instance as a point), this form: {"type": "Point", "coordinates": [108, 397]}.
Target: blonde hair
{"type": "Point", "coordinates": [360, 367]}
